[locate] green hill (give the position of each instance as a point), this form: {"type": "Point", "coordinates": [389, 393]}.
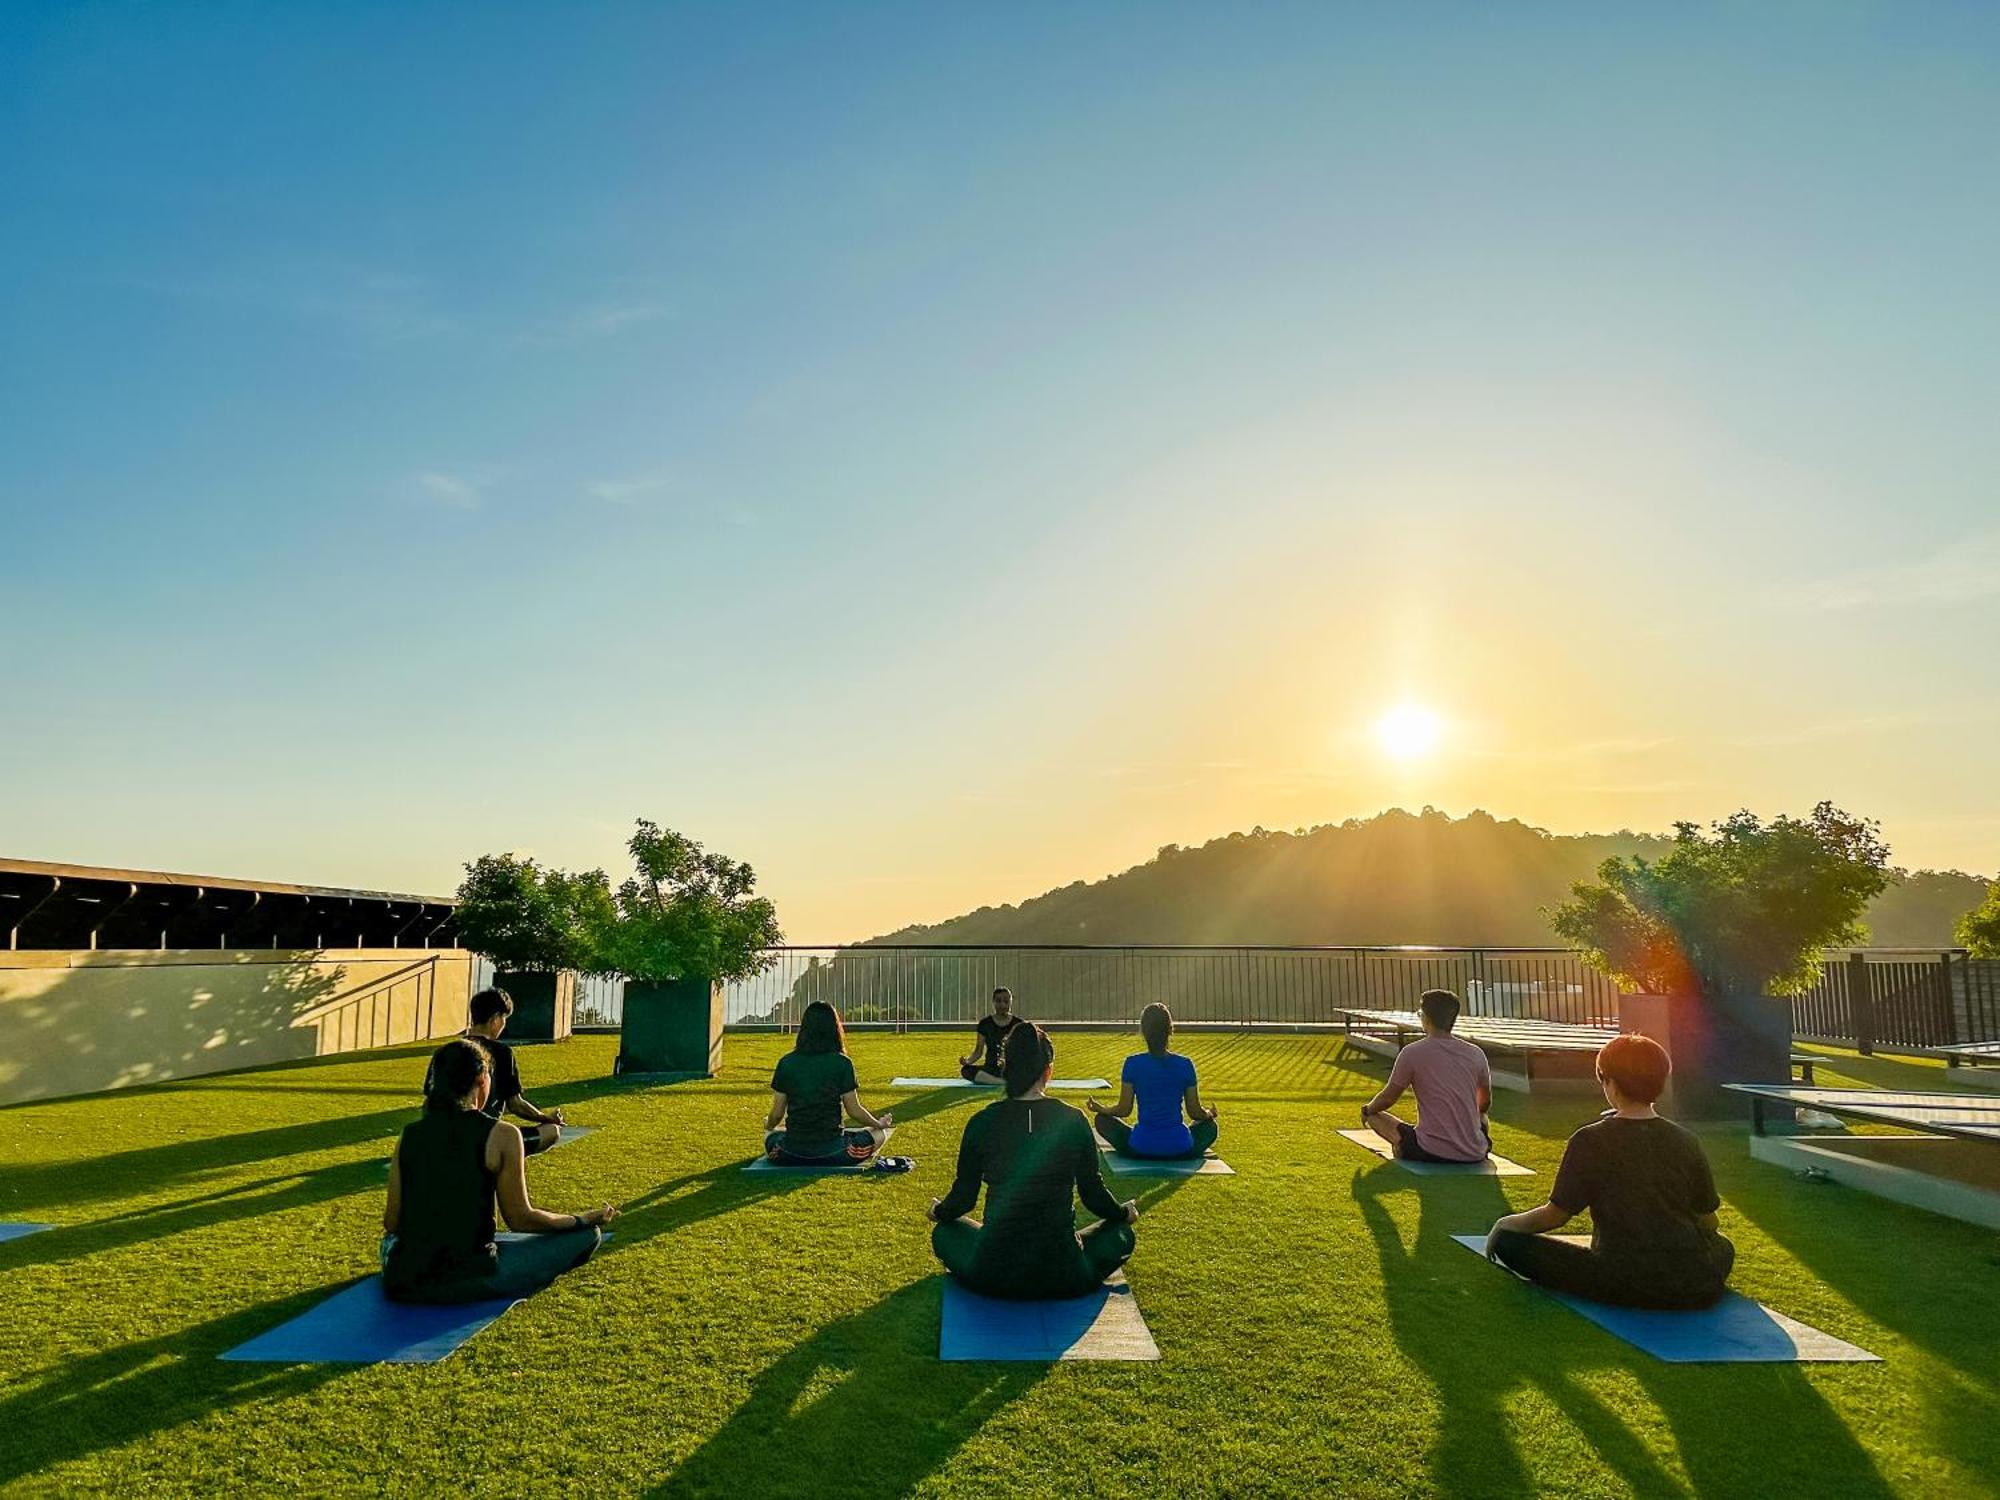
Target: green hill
{"type": "Point", "coordinates": [1398, 877]}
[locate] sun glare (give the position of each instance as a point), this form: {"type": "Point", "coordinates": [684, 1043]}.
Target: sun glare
{"type": "Point", "coordinates": [1408, 731]}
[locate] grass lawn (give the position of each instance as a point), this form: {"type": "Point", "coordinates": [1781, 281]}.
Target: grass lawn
{"type": "Point", "coordinates": [768, 1336]}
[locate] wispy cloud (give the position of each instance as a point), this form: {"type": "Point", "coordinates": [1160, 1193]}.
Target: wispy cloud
{"type": "Point", "coordinates": [1964, 573]}
{"type": "Point", "coordinates": [455, 491]}
{"type": "Point", "coordinates": [629, 490]}
{"type": "Point", "coordinates": [1949, 717]}
{"type": "Point", "coordinates": [605, 318]}
{"type": "Point", "coordinates": [376, 303]}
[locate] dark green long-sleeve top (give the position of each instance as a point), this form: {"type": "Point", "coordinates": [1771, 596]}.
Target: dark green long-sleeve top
{"type": "Point", "coordinates": [1030, 1153]}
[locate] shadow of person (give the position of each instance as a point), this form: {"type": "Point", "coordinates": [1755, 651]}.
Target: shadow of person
{"type": "Point", "coordinates": [869, 1389]}
{"type": "Point", "coordinates": [117, 1396]}
{"type": "Point", "coordinates": [1481, 1336]}
{"type": "Point", "coordinates": [713, 1191]}
{"type": "Point", "coordinates": [1860, 1247]}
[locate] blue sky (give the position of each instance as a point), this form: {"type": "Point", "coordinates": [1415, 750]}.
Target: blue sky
{"type": "Point", "coordinates": [937, 453]}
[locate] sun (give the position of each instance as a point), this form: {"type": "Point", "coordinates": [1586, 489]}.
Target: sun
{"type": "Point", "coordinates": [1409, 731]}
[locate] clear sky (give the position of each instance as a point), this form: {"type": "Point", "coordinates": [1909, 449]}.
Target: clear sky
{"type": "Point", "coordinates": [940, 452]}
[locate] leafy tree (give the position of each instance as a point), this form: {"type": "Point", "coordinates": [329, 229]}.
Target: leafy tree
{"type": "Point", "coordinates": [1979, 929]}
{"type": "Point", "coordinates": [1744, 909]}
{"type": "Point", "coordinates": [523, 916]}
{"type": "Point", "coordinates": [686, 913]}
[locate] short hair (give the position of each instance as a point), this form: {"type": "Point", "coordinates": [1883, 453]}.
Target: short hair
{"type": "Point", "coordinates": [489, 1003]}
{"type": "Point", "coordinates": [1440, 1008]}
{"type": "Point", "coordinates": [820, 1030]}
{"type": "Point", "coordinates": [455, 1070]}
{"type": "Point", "coordinates": [1637, 1064]}
{"type": "Point", "coordinates": [1027, 1055]}
{"type": "Point", "coordinates": [1156, 1025]}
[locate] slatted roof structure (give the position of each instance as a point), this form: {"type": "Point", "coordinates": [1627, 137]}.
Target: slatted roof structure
{"type": "Point", "coordinates": [58, 906]}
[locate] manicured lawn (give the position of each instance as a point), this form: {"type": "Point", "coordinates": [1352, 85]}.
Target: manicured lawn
{"type": "Point", "coordinates": [759, 1335]}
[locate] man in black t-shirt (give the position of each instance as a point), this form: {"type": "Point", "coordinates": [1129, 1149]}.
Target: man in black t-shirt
{"type": "Point", "coordinates": [487, 1014]}
{"type": "Point", "coordinates": [982, 1063]}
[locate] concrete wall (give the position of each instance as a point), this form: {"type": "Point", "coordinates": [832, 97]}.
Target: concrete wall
{"type": "Point", "coordinates": [76, 1022]}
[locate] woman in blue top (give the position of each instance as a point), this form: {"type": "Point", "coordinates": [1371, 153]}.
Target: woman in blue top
{"type": "Point", "coordinates": [1163, 1083]}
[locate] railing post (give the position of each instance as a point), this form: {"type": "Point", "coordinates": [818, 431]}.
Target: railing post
{"type": "Point", "coordinates": [1951, 1036]}
{"type": "Point", "coordinates": [1861, 1003]}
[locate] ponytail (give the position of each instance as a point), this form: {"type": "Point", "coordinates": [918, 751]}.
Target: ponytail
{"type": "Point", "coordinates": [455, 1071]}
{"type": "Point", "coordinates": [1027, 1058]}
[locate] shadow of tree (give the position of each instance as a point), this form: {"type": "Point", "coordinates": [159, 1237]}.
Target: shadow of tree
{"type": "Point", "coordinates": [1480, 1337]}
{"type": "Point", "coordinates": [121, 1395]}
{"type": "Point", "coordinates": [869, 1388]}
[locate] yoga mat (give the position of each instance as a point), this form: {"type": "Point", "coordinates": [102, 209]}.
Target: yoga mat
{"type": "Point", "coordinates": [1119, 1165]}
{"type": "Point", "coordinates": [18, 1231]}
{"type": "Point", "coordinates": [360, 1326]}
{"type": "Point", "coordinates": [765, 1164]}
{"type": "Point", "coordinates": [1493, 1166]}
{"type": "Point", "coordinates": [1734, 1331]}
{"type": "Point", "coordinates": [960, 1083]}
{"type": "Point", "coordinates": [1104, 1325]}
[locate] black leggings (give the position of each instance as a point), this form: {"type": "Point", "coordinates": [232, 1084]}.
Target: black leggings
{"type": "Point", "coordinates": [1118, 1135]}
{"type": "Point", "coordinates": [1624, 1282]}
{"type": "Point", "coordinates": [1101, 1249]}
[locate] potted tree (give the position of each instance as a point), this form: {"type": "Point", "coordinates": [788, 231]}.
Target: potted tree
{"type": "Point", "coordinates": [538, 926]}
{"type": "Point", "coordinates": [1712, 939]}
{"type": "Point", "coordinates": [686, 922]}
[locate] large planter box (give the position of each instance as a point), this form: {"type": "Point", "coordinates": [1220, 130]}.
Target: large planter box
{"type": "Point", "coordinates": [544, 1003]}
{"type": "Point", "coordinates": [1730, 1039]}
{"type": "Point", "coordinates": [672, 1026]}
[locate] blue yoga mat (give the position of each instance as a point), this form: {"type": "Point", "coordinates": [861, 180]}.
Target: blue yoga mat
{"type": "Point", "coordinates": [1734, 1331]}
{"type": "Point", "coordinates": [1104, 1325]}
{"type": "Point", "coordinates": [20, 1231]}
{"type": "Point", "coordinates": [360, 1326]}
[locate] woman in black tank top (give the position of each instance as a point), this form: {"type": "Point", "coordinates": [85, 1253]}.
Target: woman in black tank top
{"type": "Point", "coordinates": [451, 1169]}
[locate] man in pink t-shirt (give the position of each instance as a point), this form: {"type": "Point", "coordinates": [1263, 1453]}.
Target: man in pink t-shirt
{"type": "Point", "coordinates": [1454, 1090]}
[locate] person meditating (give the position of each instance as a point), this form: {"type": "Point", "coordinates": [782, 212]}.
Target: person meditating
{"type": "Point", "coordinates": [1163, 1083]}
{"type": "Point", "coordinates": [1454, 1089]}
{"type": "Point", "coordinates": [448, 1170]}
{"type": "Point", "coordinates": [486, 1014]}
{"type": "Point", "coordinates": [1032, 1152]}
{"type": "Point", "coordinates": [982, 1063]}
{"type": "Point", "coordinates": [1651, 1198]}
{"type": "Point", "coordinates": [813, 1084]}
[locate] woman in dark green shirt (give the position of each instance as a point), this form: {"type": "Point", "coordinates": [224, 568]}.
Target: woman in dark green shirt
{"type": "Point", "coordinates": [813, 1087]}
{"type": "Point", "coordinates": [1032, 1153]}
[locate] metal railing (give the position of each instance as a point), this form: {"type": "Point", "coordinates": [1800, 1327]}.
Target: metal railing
{"type": "Point", "coordinates": [1901, 997]}
{"type": "Point", "coordinates": [883, 985]}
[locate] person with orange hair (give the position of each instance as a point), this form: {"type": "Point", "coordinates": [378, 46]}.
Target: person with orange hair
{"type": "Point", "coordinates": [1650, 1194]}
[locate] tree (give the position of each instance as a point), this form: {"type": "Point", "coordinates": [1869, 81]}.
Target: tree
{"type": "Point", "coordinates": [1979, 929]}
{"type": "Point", "coordinates": [523, 916]}
{"type": "Point", "coordinates": [685, 913]}
{"type": "Point", "coordinates": [1744, 909]}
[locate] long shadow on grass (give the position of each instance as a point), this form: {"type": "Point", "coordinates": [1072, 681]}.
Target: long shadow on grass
{"type": "Point", "coordinates": [1929, 1279]}
{"type": "Point", "coordinates": [105, 1400]}
{"type": "Point", "coordinates": [862, 1407]}
{"type": "Point", "coordinates": [143, 1169]}
{"type": "Point", "coordinates": [1480, 1337]}
{"type": "Point", "coordinates": [246, 1200]}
